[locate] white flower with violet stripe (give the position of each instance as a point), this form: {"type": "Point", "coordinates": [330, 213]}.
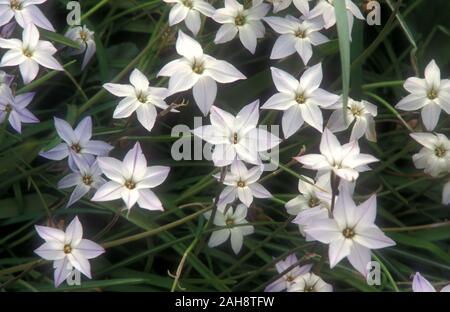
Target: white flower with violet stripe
{"type": "Point", "coordinates": [297, 36]}
{"type": "Point", "coordinates": [430, 94]}
{"type": "Point", "coordinates": [310, 282]}
{"type": "Point", "coordinates": [345, 161]}
{"type": "Point", "coordinates": [15, 108]}
{"type": "Point", "coordinates": [138, 97]}
{"type": "Point", "coordinates": [287, 280]}
{"type": "Point", "coordinates": [362, 113]}
{"type": "Point", "coordinates": [238, 20]}
{"type": "Point", "coordinates": [242, 183]}
{"type": "Point", "coordinates": [67, 248]}
{"type": "Point", "coordinates": [421, 284]}
{"type": "Point", "coordinates": [25, 12]}
{"type": "Point", "coordinates": [351, 232]}
{"type": "Point", "coordinates": [85, 38]}
{"type": "Point", "coordinates": [131, 180]}
{"type": "Point", "coordinates": [236, 137]}
{"type": "Point", "coordinates": [300, 100]}
{"type": "Point", "coordinates": [229, 217]}
{"type": "Point", "coordinates": [77, 142]}
{"type": "Point", "coordinates": [189, 11]}
{"type": "Point", "coordinates": [198, 71]}
{"type": "Point", "coordinates": [29, 53]}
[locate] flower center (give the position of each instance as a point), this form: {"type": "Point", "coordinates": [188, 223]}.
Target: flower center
{"type": "Point", "coordinates": [8, 108]}
{"type": "Point", "coordinates": [241, 183]}
{"type": "Point", "coordinates": [129, 184]}
{"type": "Point", "coordinates": [289, 278]}
{"type": "Point", "coordinates": [16, 5]}
{"type": "Point", "coordinates": [187, 3]}
{"type": "Point", "coordinates": [300, 98]}
{"type": "Point", "coordinates": [356, 111]}
{"type": "Point", "coordinates": [27, 53]}
{"type": "Point", "coordinates": [198, 67]}
{"type": "Point", "coordinates": [142, 97]}
{"type": "Point", "coordinates": [309, 289]}
{"type": "Point", "coordinates": [84, 36]}
{"type": "Point", "coordinates": [313, 202]}
{"type": "Point", "coordinates": [432, 94]}
{"type": "Point", "coordinates": [76, 148]}
{"type": "Point", "coordinates": [235, 138]}
{"type": "Point", "coordinates": [87, 179]}
{"type": "Point", "coordinates": [440, 151]}
{"type": "Point", "coordinates": [239, 20]}
{"type": "Point", "coordinates": [67, 249]}
{"type": "Point", "coordinates": [300, 34]}
{"type": "Point", "coordinates": [229, 222]}
{"type": "Point", "coordinates": [348, 233]}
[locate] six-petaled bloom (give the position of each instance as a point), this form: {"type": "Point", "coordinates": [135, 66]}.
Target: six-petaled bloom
{"type": "Point", "coordinates": [15, 108]}
{"type": "Point", "coordinates": [287, 280]}
{"type": "Point", "coordinates": [85, 39]}
{"type": "Point", "coordinates": [189, 12]}
{"type": "Point", "coordinates": [67, 249]}
{"type": "Point", "coordinates": [25, 12]}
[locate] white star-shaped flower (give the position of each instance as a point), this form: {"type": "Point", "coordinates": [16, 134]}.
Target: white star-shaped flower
{"type": "Point", "coordinates": [247, 22]}
{"type": "Point", "coordinates": [310, 282]}
{"type": "Point", "coordinates": [15, 108]}
{"type": "Point", "coordinates": [25, 12]}
{"type": "Point", "coordinates": [84, 177]}
{"type": "Point", "coordinates": [198, 71]}
{"type": "Point", "coordinates": [310, 194]}
{"type": "Point", "coordinates": [242, 183]}
{"type": "Point", "coordinates": [85, 38]}
{"type": "Point", "coordinates": [227, 216]}
{"type": "Point", "coordinates": [421, 284]}
{"type": "Point", "coordinates": [67, 248]}
{"type": "Point", "coordinates": [236, 137]}
{"type": "Point", "coordinates": [362, 113]}
{"type": "Point", "coordinates": [140, 97]}
{"type": "Point", "coordinates": [431, 95]}
{"type": "Point", "coordinates": [325, 9]}
{"type": "Point", "coordinates": [434, 157]}
{"type": "Point", "coordinates": [77, 143]}
{"type": "Point", "coordinates": [297, 35]}
{"type": "Point", "coordinates": [351, 232]}
{"type": "Point", "coordinates": [287, 280]}
{"type": "Point", "coordinates": [131, 180]}
{"type": "Point", "coordinates": [280, 5]}
{"type": "Point", "coordinates": [300, 100]}
{"type": "Point", "coordinates": [29, 53]}
{"type": "Point", "coordinates": [189, 12]}
{"type": "Point", "coordinates": [345, 161]}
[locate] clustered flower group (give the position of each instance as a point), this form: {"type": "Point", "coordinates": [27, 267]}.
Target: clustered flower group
{"type": "Point", "coordinates": [325, 210]}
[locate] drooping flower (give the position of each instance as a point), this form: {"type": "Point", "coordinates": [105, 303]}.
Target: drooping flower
{"type": "Point", "coordinates": [351, 232]}
{"type": "Point", "coordinates": [140, 97]}
{"type": "Point", "coordinates": [310, 194]}
{"type": "Point", "coordinates": [362, 113]}
{"type": "Point", "coordinates": [29, 53]}
{"type": "Point", "coordinates": [5, 80]}
{"type": "Point", "coordinates": [325, 9]}
{"type": "Point", "coordinates": [310, 282]}
{"type": "Point", "coordinates": [236, 137]}
{"type": "Point", "coordinates": [287, 280]}
{"type": "Point", "coordinates": [84, 177]}
{"type": "Point", "coordinates": [229, 217]}
{"type": "Point", "coordinates": [434, 157]}
{"type": "Point", "coordinates": [297, 35]}
{"type": "Point", "coordinates": [25, 12]}
{"type": "Point", "coordinates": [66, 248]}
{"type": "Point", "coordinates": [238, 20]}
{"type": "Point", "coordinates": [421, 284]}
{"type": "Point", "coordinates": [430, 94]}
{"type": "Point", "coordinates": [345, 161]}
{"type": "Point", "coordinates": [15, 108]}
{"type": "Point", "coordinates": [198, 71]}
{"type": "Point", "coordinates": [242, 183]}
{"type": "Point", "coordinates": [85, 38]}
{"type": "Point", "coordinates": [77, 143]}
{"type": "Point", "coordinates": [300, 100]}
{"type": "Point", "coordinates": [131, 180]}
{"type": "Point", "coordinates": [189, 12]}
